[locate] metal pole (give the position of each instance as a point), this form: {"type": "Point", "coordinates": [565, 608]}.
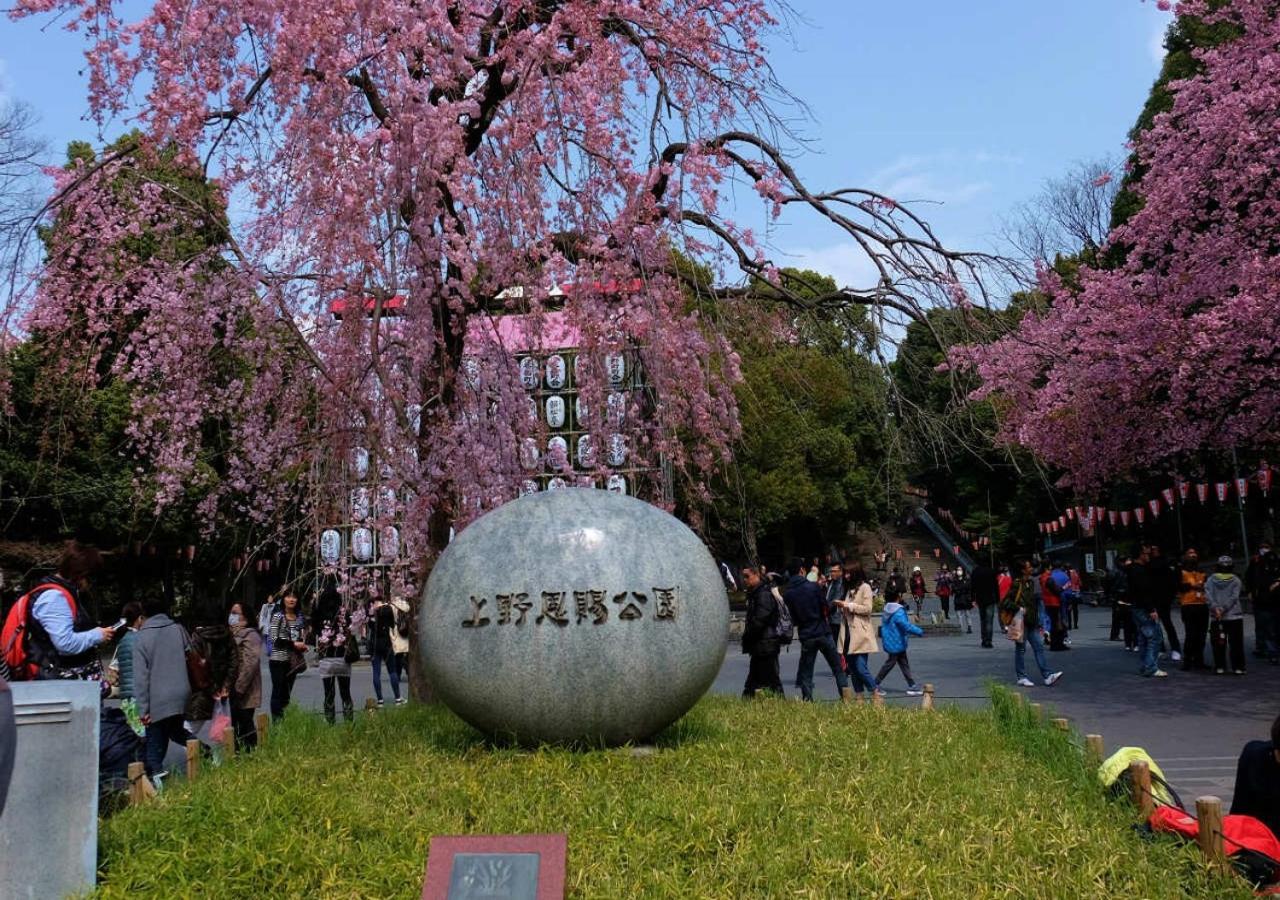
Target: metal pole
{"type": "Point", "coordinates": [1177, 509]}
{"type": "Point", "coordinates": [991, 545]}
{"type": "Point", "coordinates": [1244, 534]}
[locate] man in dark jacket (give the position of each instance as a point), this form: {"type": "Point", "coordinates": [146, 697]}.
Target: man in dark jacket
{"type": "Point", "coordinates": [758, 638]}
{"type": "Point", "coordinates": [807, 603]}
{"type": "Point", "coordinates": [1262, 581]}
{"type": "Point", "coordinates": [160, 683]}
{"type": "Point", "coordinates": [1257, 790]}
{"type": "Point", "coordinates": [1145, 586]}
{"type": "Point", "coordinates": [982, 587]}
{"type": "Point", "coordinates": [1164, 582]}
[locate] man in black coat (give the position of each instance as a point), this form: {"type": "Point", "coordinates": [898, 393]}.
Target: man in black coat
{"type": "Point", "coordinates": [758, 637]}
{"type": "Point", "coordinates": [808, 605]}
{"type": "Point", "coordinates": [1257, 790]}
{"type": "Point", "coordinates": [1146, 585]}
{"type": "Point", "coordinates": [982, 585]}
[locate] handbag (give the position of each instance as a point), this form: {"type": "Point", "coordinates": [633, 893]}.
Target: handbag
{"type": "Point", "coordinates": [198, 674]}
{"type": "Point", "coordinates": [1017, 628]}
{"type": "Point", "coordinates": [351, 653]}
{"type": "Point", "coordinates": [297, 662]}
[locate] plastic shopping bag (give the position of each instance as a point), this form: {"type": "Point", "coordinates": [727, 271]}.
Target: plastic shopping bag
{"type": "Point", "coordinates": [1017, 627]}
{"type": "Point", "coordinates": [221, 720]}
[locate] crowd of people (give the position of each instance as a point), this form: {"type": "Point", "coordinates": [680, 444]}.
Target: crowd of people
{"type": "Point", "coordinates": [172, 679]}
{"type": "Point", "coordinates": [832, 611]}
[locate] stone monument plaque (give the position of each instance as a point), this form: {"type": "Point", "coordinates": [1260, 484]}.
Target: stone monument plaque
{"type": "Point", "coordinates": [574, 615]}
{"type": "Point", "coordinates": [496, 867]}
{"type": "Point", "coordinates": [49, 829]}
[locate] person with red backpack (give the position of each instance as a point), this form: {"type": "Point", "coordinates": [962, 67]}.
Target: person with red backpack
{"type": "Point", "coordinates": [49, 633]}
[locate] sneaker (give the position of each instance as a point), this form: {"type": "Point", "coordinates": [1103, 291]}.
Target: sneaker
{"type": "Point", "coordinates": [1053, 679]}
{"type": "Point", "coordinates": [381, 703]}
{"type": "Point", "coordinates": [914, 691]}
{"type": "Point", "coordinates": [1175, 656]}
{"type": "Point", "coordinates": [1159, 673]}
{"type": "Point", "coordinates": [1238, 672]}
{"type": "Point", "coordinates": [401, 701]}
{"type": "Point", "coordinates": [1024, 681]}
{"type": "Point", "coordinates": [1219, 671]}
{"type": "Point", "coordinates": [879, 693]}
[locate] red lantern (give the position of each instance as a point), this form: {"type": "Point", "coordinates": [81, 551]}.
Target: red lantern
{"type": "Point", "coordinates": [1222, 487]}
{"type": "Point", "coordinates": [1183, 488]}
{"type": "Point", "coordinates": [1264, 477]}
{"type": "Point", "coordinates": [1155, 508]}
{"type": "Point", "coordinates": [1112, 515]}
{"type": "Point", "coordinates": [1140, 514]}
{"type": "Point", "coordinates": [1202, 493]}
{"type": "Point", "coordinates": [1242, 487]}
{"type": "Point", "coordinates": [1124, 517]}
{"type": "Point", "coordinates": [1167, 493]}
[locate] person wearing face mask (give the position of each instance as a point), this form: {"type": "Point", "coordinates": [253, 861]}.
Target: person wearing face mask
{"type": "Point", "coordinates": [1195, 611]}
{"type": "Point", "coordinates": [246, 689]}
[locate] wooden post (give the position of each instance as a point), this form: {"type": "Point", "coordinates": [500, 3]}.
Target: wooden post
{"type": "Point", "coordinates": [877, 699]}
{"type": "Point", "coordinates": [263, 724]}
{"type": "Point", "coordinates": [926, 699]}
{"type": "Point", "coordinates": [1037, 712]}
{"type": "Point", "coordinates": [139, 785]}
{"type": "Point", "coordinates": [193, 759]}
{"type": "Point", "coordinates": [1061, 724]}
{"type": "Point", "coordinates": [1094, 748]}
{"type": "Point", "coordinates": [1209, 814]}
{"type": "Point", "coordinates": [228, 743]}
{"type": "Point", "coordinates": [1140, 774]}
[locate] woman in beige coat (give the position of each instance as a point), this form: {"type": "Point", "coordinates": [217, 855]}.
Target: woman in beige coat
{"type": "Point", "coordinates": [857, 632]}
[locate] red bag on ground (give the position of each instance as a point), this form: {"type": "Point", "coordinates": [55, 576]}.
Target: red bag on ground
{"type": "Point", "coordinates": [1250, 845]}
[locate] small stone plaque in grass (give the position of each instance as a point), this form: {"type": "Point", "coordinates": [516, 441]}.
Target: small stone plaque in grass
{"type": "Point", "coordinates": [496, 867]}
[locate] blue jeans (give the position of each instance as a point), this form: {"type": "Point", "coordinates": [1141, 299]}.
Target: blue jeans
{"type": "Point", "coordinates": [393, 674]}
{"type": "Point", "coordinates": [159, 734]}
{"type": "Point", "coordinates": [809, 650]}
{"type": "Point", "coordinates": [1266, 623]}
{"type": "Point", "coordinates": [861, 675]}
{"type": "Point", "coordinates": [1037, 650]}
{"type": "Point", "coordinates": [1150, 637]}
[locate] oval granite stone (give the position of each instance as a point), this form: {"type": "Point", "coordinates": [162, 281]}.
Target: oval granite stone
{"type": "Point", "coordinates": [573, 615]}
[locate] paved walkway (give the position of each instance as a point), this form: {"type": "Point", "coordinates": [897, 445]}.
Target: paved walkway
{"type": "Point", "coordinates": [1193, 723]}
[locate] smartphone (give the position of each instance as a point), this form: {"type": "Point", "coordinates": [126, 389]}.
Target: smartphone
{"type": "Point", "coordinates": [118, 625]}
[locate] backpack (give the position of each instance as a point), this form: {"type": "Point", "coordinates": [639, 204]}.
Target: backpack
{"type": "Point", "coordinates": [783, 630]}
{"type": "Point", "coordinates": [1251, 847]}
{"type": "Point", "coordinates": [404, 621]}
{"type": "Point", "coordinates": [1115, 777]}
{"type": "Point", "coordinates": [15, 664]}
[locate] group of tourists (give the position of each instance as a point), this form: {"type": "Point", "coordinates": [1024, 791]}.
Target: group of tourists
{"type": "Point", "coordinates": [831, 614]}
{"type": "Point", "coordinates": [171, 680]}
{"type": "Point", "coordinates": [1147, 587]}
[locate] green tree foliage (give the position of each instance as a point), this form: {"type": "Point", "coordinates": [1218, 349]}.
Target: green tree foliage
{"type": "Point", "coordinates": [812, 455]}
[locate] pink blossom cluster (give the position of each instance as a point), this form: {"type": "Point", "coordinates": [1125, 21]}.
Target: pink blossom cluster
{"type": "Point", "coordinates": [436, 151]}
{"type": "Point", "coordinates": [1177, 349]}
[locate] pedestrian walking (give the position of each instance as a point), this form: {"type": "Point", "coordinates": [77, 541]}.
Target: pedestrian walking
{"type": "Point", "coordinates": [378, 627]}
{"type": "Point", "coordinates": [1194, 609]}
{"type": "Point", "coordinates": [917, 589]}
{"type": "Point", "coordinates": [984, 590]}
{"type": "Point", "coordinates": [1263, 578]}
{"type": "Point", "coordinates": [400, 642]}
{"type": "Point", "coordinates": [1164, 582]}
{"type": "Point", "coordinates": [336, 649]}
{"type": "Point", "coordinates": [1021, 607]}
{"type": "Point", "coordinates": [961, 595]}
{"type": "Point", "coordinates": [287, 659]}
{"type": "Point", "coordinates": [760, 639]}
{"type": "Point", "coordinates": [895, 587]}
{"type": "Point", "coordinates": [836, 591]}
{"type": "Point", "coordinates": [807, 605]}
{"type": "Point", "coordinates": [1121, 609]}
{"type": "Point", "coordinates": [857, 635]}
{"type": "Point", "coordinates": [1222, 592]}
{"type": "Point", "coordinates": [1145, 587]}
{"type": "Point", "coordinates": [942, 586]}
{"type": "Point", "coordinates": [160, 682]}
{"type": "Point", "coordinates": [246, 689]}
{"type": "Point", "coordinates": [265, 616]}
{"type": "Point", "coordinates": [895, 631]}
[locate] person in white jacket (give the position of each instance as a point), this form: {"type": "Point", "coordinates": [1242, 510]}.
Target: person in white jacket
{"type": "Point", "coordinates": [399, 641]}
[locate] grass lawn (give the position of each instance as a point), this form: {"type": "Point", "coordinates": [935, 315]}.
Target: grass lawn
{"type": "Point", "coordinates": [763, 799]}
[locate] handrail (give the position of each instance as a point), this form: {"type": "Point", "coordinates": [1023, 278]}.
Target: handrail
{"type": "Point", "coordinates": [949, 544]}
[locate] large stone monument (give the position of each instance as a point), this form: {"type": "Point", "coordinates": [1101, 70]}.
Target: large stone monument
{"type": "Point", "coordinates": [572, 615]}
{"type": "Point", "coordinates": [49, 829]}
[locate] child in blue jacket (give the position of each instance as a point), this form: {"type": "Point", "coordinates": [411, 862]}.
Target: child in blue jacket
{"type": "Point", "coordinates": [894, 629]}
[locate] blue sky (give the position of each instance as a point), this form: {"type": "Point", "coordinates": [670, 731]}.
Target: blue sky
{"type": "Point", "coordinates": [968, 105]}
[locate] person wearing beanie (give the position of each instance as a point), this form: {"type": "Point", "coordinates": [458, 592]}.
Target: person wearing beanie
{"type": "Point", "coordinates": [1222, 590]}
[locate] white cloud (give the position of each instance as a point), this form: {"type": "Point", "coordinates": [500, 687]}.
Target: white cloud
{"type": "Point", "coordinates": [946, 176]}
{"type": "Point", "coordinates": [845, 262]}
